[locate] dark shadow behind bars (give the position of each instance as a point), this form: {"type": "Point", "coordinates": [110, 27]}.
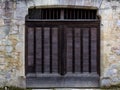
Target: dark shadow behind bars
{"type": "Point", "coordinates": [66, 13]}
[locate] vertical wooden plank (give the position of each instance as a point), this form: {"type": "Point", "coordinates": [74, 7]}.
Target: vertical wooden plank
{"type": "Point", "coordinates": [77, 50]}
{"type": "Point", "coordinates": [93, 49]}
{"type": "Point", "coordinates": [85, 50]}
{"type": "Point", "coordinates": [46, 50]}
{"type": "Point", "coordinates": [38, 50]}
{"type": "Point", "coordinates": [55, 49]}
{"type": "Point", "coordinates": [63, 52]}
{"type": "Point", "coordinates": [69, 49]}
{"type": "Point", "coordinates": [30, 50]}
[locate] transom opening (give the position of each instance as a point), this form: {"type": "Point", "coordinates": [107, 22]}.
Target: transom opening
{"type": "Point", "coordinates": [62, 13]}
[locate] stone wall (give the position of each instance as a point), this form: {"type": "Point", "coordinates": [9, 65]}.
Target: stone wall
{"type": "Point", "coordinates": [110, 42]}
{"type": "Point", "coordinates": [12, 20]}
{"type": "Point", "coordinates": [12, 33]}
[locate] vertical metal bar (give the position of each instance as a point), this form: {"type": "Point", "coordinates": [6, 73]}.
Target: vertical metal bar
{"type": "Point", "coordinates": [74, 14]}
{"type": "Point", "coordinates": [34, 41]}
{"type": "Point", "coordinates": [88, 14]}
{"type": "Point", "coordinates": [73, 50]}
{"type": "Point", "coordinates": [53, 12]}
{"type": "Point", "coordinates": [40, 14]}
{"type": "Point", "coordinates": [81, 50]}
{"type": "Point", "coordinates": [78, 13]}
{"type": "Point", "coordinates": [67, 15]}
{"type": "Point", "coordinates": [57, 10]}
{"type": "Point", "coordinates": [81, 14]}
{"type": "Point", "coordinates": [85, 14]}
{"type": "Point", "coordinates": [95, 14]}
{"type": "Point", "coordinates": [70, 14]}
{"type": "Point", "coordinates": [46, 14]}
{"type": "Point", "coordinates": [42, 40]}
{"type": "Point", "coordinates": [50, 50]}
{"type": "Point", "coordinates": [49, 13]}
{"type": "Point", "coordinates": [68, 11]}
{"type": "Point", "coordinates": [89, 50]}
{"type": "Point", "coordinates": [92, 15]}
{"type": "Point", "coordinates": [43, 13]}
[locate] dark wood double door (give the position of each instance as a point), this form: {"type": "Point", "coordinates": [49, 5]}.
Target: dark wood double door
{"type": "Point", "coordinates": [62, 54]}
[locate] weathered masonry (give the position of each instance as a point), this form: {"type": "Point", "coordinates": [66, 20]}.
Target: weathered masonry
{"type": "Point", "coordinates": [59, 43]}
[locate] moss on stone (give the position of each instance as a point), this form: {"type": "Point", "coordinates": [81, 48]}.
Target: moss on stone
{"type": "Point", "coordinates": [112, 87]}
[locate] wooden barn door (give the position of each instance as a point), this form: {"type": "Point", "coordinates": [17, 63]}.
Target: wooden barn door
{"type": "Point", "coordinates": [62, 53]}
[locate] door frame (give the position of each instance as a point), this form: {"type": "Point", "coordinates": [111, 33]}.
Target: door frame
{"type": "Point", "coordinates": [54, 23]}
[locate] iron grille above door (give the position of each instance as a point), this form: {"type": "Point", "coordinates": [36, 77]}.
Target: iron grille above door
{"type": "Point", "coordinates": [62, 48]}
{"type": "Point", "coordinates": [62, 13]}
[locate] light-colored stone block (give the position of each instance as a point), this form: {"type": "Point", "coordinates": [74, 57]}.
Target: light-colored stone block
{"type": "Point", "coordinates": [9, 48]}
{"type": "Point", "coordinates": [1, 22]}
